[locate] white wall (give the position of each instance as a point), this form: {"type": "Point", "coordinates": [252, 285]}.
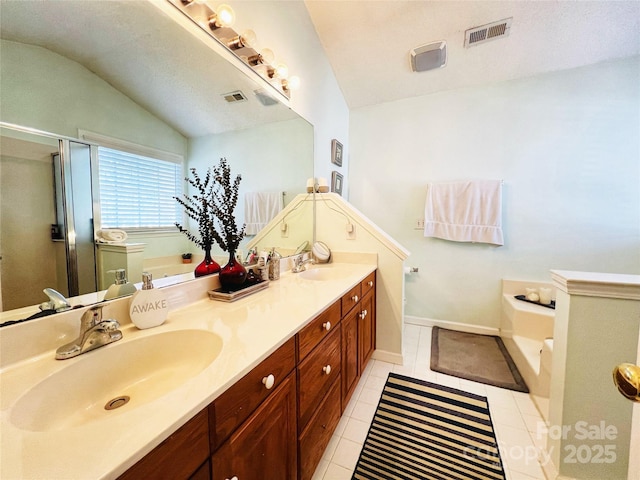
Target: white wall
{"type": "Point", "coordinates": [277, 154]}
{"type": "Point", "coordinates": [567, 147]}
{"type": "Point", "coordinates": [46, 91]}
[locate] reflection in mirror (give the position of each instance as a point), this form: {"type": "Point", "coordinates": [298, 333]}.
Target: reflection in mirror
{"type": "Point", "coordinates": [135, 85]}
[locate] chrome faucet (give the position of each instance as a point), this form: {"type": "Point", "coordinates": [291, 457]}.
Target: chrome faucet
{"type": "Point", "coordinates": [94, 333]}
{"type": "Point", "coordinates": [56, 302]}
{"type": "Point", "coordinates": [300, 265]}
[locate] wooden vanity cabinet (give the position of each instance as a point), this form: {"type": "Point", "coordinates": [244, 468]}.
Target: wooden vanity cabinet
{"type": "Point", "coordinates": [253, 425]}
{"type": "Point", "coordinates": [358, 333]}
{"type": "Point", "coordinates": [278, 419]}
{"type": "Point", "coordinates": [319, 383]}
{"type": "Point", "coordinates": [367, 321]}
{"type": "Point", "coordinates": [264, 446]}
{"type": "Point", "coordinates": [182, 455]}
{"type": "Point", "coordinates": [235, 405]}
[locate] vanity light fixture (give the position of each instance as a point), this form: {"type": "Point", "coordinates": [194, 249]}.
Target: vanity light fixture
{"type": "Point", "coordinates": [224, 16]}
{"type": "Point", "coordinates": [219, 21]}
{"type": "Point", "coordinates": [246, 39]}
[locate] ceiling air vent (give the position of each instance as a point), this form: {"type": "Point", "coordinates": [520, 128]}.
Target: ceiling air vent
{"type": "Point", "coordinates": [488, 32]}
{"type": "Point", "coordinates": [233, 97]}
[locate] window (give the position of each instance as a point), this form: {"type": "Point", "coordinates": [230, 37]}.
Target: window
{"type": "Point", "coordinates": [137, 191]}
{"type": "Point", "coordinates": [137, 185]}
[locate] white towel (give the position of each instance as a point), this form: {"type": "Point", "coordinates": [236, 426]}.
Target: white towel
{"type": "Point", "coordinates": [259, 209]}
{"type": "Point", "coordinates": [468, 211]}
{"type": "Point", "coordinates": [111, 235]}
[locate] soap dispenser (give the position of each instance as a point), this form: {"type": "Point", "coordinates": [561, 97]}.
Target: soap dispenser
{"type": "Point", "coordinates": [122, 286]}
{"type": "Point", "coordinates": [148, 307]}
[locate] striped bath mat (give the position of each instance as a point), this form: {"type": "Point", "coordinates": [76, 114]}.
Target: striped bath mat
{"type": "Point", "coordinates": [424, 431]}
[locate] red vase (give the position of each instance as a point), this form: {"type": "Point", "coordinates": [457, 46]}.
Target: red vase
{"type": "Point", "coordinates": [208, 265]}
{"type": "Point", "coordinates": [233, 274]}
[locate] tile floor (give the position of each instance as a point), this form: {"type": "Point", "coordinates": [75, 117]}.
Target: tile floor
{"type": "Point", "coordinates": [516, 420]}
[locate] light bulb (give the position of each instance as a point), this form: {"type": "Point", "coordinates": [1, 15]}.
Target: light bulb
{"type": "Point", "coordinates": [282, 71]}
{"type": "Point", "coordinates": [223, 17]}
{"type": "Point", "coordinates": [247, 39]}
{"type": "Point", "coordinates": [293, 82]}
{"type": "Point", "coordinates": [267, 55]}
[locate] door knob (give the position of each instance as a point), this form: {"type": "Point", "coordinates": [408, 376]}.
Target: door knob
{"type": "Point", "coordinates": [626, 377]}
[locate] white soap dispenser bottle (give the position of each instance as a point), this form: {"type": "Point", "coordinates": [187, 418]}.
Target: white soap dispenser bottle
{"type": "Point", "coordinates": [121, 287]}
{"type": "Point", "coordinates": [148, 307]}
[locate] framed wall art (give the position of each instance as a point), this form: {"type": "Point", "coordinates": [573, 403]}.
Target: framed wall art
{"type": "Point", "coordinates": [336, 152]}
{"type": "Point", "coordinates": [336, 182]}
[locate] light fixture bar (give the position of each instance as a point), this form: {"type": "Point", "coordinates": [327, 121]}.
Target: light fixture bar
{"type": "Point", "coordinates": [240, 45]}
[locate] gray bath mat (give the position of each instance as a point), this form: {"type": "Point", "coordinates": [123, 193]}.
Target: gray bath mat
{"type": "Point", "coordinates": [480, 358]}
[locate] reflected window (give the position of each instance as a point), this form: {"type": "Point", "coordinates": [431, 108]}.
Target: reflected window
{"type": "Point", "coordinates": [136, 191]}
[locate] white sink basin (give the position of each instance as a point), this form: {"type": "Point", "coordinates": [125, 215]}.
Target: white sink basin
{"type": "Point", "coordinates": [324, 273]}
{"type": "Point", "coordinates": [142, 369]}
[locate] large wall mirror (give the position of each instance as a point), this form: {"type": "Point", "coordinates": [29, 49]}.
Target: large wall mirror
{"type": "Point", "coordinates": [128, 71]}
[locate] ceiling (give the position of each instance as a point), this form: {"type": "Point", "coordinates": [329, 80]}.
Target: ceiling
{"type": "Point", "coordinates": [139, 50]}
{"type": "Point", "coordinates": [368, 42]}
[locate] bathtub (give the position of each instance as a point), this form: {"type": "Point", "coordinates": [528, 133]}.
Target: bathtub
{"type": "Point", "coordinates": [527, 331]}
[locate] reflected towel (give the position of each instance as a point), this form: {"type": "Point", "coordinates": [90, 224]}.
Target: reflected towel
{"type": "Point", "coordinates": [111, 235]}
{"type": "Point", "coordinates": [469, 211]}
{"type": "Point", "coordinates": [259, 209]}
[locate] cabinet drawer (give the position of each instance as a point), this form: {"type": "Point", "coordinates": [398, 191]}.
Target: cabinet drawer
{"type": "Point", "coordinates": [368, 284]}
{"type": "Point", "coordinates": [317, 330]}
{"type": "Point", "coordinates": [316, 374]}
{"type": "Point", "coordinates": [350, 299]}
{"type": "Point", "coordinates": [179, 456]}
{"type": "Point", "coordinates": [236, 404]}
{"type": "Point", "coordinates": [264, 447]}
{"type": "Point", "coordinates": [316, 436]}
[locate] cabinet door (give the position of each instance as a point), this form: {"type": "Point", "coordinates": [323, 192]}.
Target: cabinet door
{"type": "Point", "coordinates": [316, 436]}
{"type": "Point", "coordinates": [179, 456]}
{"type": "Point", "coordinates": [366, 330]}
{"type": "Point", "coordinates": [350, 371]}
{"type": "Point", "coordinates": [264, 446]}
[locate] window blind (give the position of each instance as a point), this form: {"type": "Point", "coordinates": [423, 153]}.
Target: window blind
{"type": "Point", "coordinates": [137, 191]}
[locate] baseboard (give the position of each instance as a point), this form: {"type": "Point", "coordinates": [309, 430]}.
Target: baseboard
{"type": "Point", "coordinates": [386, 356]}
{"type": "Point", "coordinates": [462, 327]}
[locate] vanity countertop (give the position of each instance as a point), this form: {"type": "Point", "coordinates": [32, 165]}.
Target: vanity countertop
{"type": "Point", "coordinates": [106, 446]}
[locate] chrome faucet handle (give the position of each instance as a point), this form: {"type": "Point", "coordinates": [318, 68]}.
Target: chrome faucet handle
{"type": "Point", "coordinates": [91, 318]}
{"type": "Point", "coordinates": [56, 301]}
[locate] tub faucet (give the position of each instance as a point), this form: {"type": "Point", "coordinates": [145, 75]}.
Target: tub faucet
{"type": "Point", "coordinates": [300, 265]}
{"type": "Point", "coordinates": [94, 333]}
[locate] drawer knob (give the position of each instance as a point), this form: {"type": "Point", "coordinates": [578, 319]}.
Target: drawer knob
{"type": "Point", "coordinates": [363, 314]}
{"type": "Point", "coordinates": [354, 298]}
{"type": "Point", "coordinates": [370, 283]}
{"type": "Point", "coordinates": [326, 326]}
{"type": "Point", "coordinates": [232, 478]}
{"type": "Point", "coordinates": [327, 369]}
{"type": "Point", "coordinates": [268, 382]}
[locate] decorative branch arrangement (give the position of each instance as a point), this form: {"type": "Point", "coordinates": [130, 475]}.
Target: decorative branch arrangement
{"type": "Point", "coordinates": [212, 207]}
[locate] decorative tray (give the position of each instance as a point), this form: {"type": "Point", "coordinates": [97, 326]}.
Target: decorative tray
{"type": "Point", "coordinates": [226, 295]}
{"type": "Point", "coordinates": [552, 305]}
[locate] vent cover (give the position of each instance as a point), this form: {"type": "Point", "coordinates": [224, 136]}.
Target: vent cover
{"type": "Point", "coordinates": [429, 57]}
{"type": "Point", "coordinates": [233, 97]}
{"type": "Point", "coordinates": [488, 32]}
